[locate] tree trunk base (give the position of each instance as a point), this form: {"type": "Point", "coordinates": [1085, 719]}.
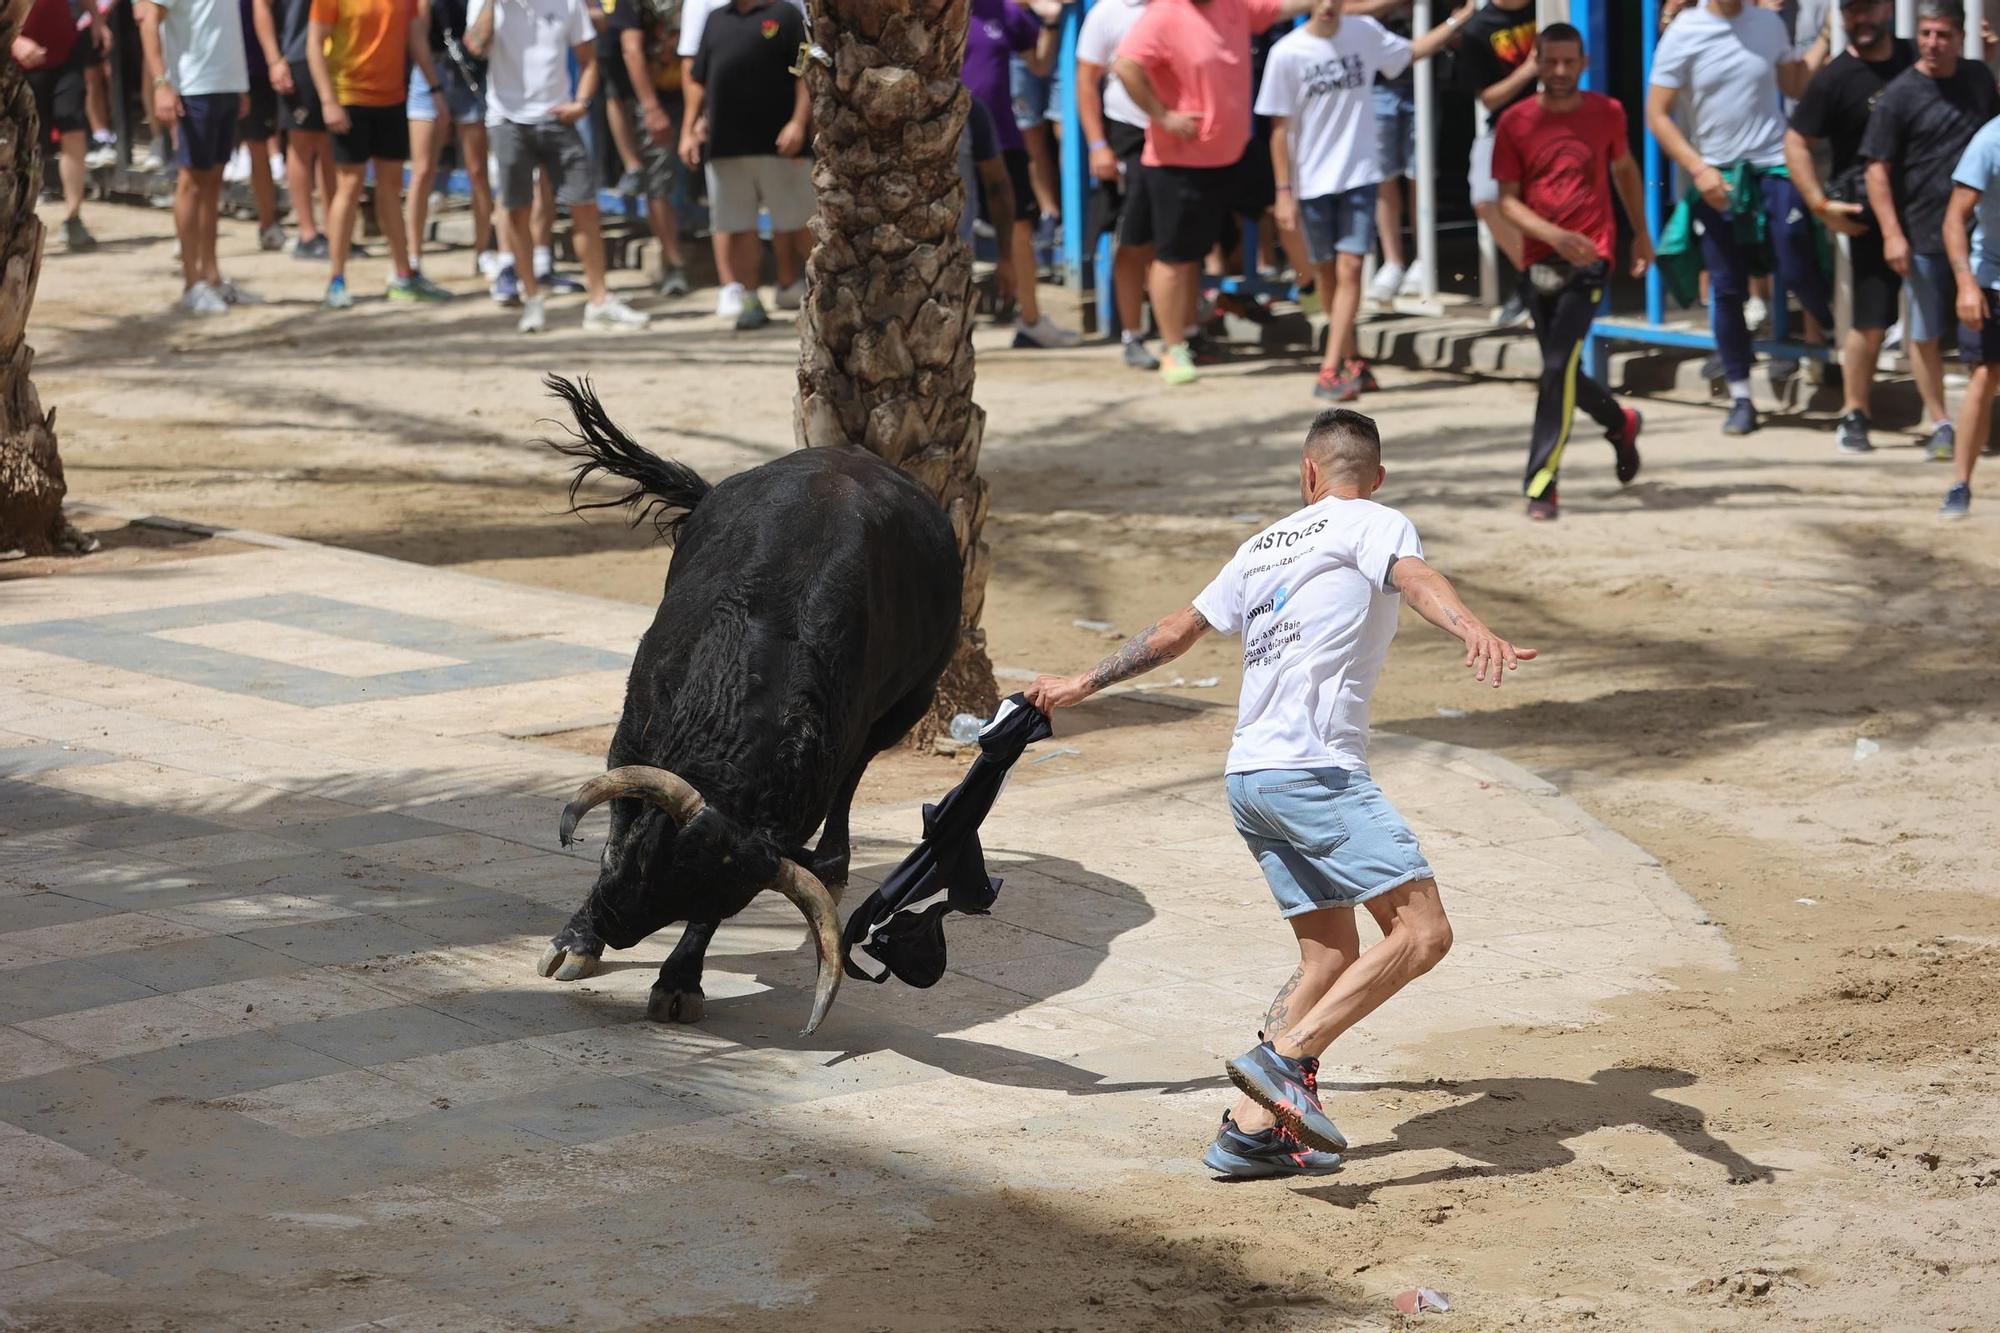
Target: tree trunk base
{"type": "Point", "coordinates": [966, 687]}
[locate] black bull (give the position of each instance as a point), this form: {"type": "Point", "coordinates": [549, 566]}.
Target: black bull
{"type": "Point", "coordinates": [811, 607]}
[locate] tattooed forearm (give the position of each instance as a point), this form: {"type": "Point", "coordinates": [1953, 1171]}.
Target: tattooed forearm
{"type": "Point", "coordinates": [1279, 1016]}
{"type": "Point", "coordinates": [1138, 656]}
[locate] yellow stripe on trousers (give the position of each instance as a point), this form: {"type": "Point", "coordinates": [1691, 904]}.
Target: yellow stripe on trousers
{"type": "Point", "coordinates": [1547, 476]}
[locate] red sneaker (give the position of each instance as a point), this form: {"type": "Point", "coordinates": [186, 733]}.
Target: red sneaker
{"type": "Point", "coordinates": [1362, 374]}
{"type": "Point", "coordinates": [1544, 509]}
{"type": "Point", "coordinates": [1338, 384]}
{"type": "Point", "coordinates": [1626, 441]}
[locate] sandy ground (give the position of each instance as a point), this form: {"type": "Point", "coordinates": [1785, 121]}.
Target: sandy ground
{"type": "Point", "coordinates": [1810, 1140]}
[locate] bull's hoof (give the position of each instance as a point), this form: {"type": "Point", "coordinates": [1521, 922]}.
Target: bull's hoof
{"type": "Point", "coordinates": [566, 964]}
{"type": "Point", "coordinates": [665, 1005]}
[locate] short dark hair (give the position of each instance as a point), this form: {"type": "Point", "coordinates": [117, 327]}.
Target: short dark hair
{"type": "Point", "coordinates": [1345, 443]}
{"type": "Point", "coordinates": [1558, 32]}
{"type": "Point", "coordinates": [1952, 11]}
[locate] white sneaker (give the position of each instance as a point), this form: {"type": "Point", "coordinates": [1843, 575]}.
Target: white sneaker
{"type": "Point", "coordinates": [534, 314]}
{"type": "Point", "coordinates": [237, 169]}
{"type": "Point", "coordinates": [1388, 281]}
{"type": "Point", "coordinates": [613, 313]}
{"type": "Point", "coordinates": [488, 264]}
{"type": "Point", "coordinates": [1754, 311]}
{"type": "Point", "coordinates": [271, 238]}
{"type": "Point", "coordinates": [792, 297]}
{"type": "Point", "coordinates": [103, 155]}
{"type": "Point", "coordinates": [729, 303]}
{"type": "Point", "coordinates": [1044, 332]}
{"type": "Point", "coordinates": [202, 299]}
{"type": "Point", "coordinates": [156, 157]}
{"type": "Point", "coordinates": [1413, 281]}
{"type": "Point", "coordinates": [231, 294]}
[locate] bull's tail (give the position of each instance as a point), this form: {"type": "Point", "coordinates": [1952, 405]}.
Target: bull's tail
{"type": "Point", "coordinates": [663, 491]}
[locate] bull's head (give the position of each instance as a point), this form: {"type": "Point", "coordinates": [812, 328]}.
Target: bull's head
{"type": "Point", "coordinates": [623, 911]}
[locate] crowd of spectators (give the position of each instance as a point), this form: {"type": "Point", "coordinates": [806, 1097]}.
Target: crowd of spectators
{"type": "Point", "coordinates": [1199, 116]}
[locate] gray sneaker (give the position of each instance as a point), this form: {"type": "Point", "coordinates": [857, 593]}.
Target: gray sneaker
{"type": "Point", "coordinates": [674, 282]}
{"type": "Point", "coordinates": [76, 237]}
{"type": "Point", "coordinates": [753, 315]}
{"type": "Point", "coordinates": [1289, 1090]}
{"type": "Point", "coordinates": [1140, 357]}
{"type": "Point", "coordinates": [1854, 434]}
{"type": "Point", "coordinates": [1943, 443]}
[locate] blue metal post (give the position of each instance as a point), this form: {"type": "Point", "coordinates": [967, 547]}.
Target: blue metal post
{"type": "Point", "coordinates": [1592, 19]}
{"type": "Point", "coordinates": [1658, 181]}
{"type": "Point", "coordinates": [1075, 163]}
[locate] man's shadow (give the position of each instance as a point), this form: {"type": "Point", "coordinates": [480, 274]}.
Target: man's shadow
{"type": "Point", "coordinates": [1516, 1126]}
{"type": "Point", "coordinates": [1100, 910]}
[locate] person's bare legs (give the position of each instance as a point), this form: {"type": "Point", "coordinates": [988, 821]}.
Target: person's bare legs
{"type": "Point", "coordinates": [1128, 284]}
{"type": "Point", "coordinates": [342, 214]}
{"type": "Point", "coordinates": [304, 151]}
{"type": "Point", "coordinates": [1176, 291]}
{"type": "Point", "coordinates": [624, 135]}
{"type": "Point", "coordinates": [666, 230]}
{"type": "Point", "coordinates": [746, 260]}
{"type": "Point", "coordinates": [520, 237]}
{"type": "Point", "coordinates": [1027, 306]}
{"type": "Point", "coordinates": [389, 212]}
{"type": "Point", "coordinates": [1927, 368]}
{"type": "Point", "coordinates": [1042, 168]}
{"type": "Point", "coordinates": [1975, 419]}
{"type": "Point", "coordinates": [1858, 355]}
{"type": "Point", "coordinates": [473, 147]}
{"type": "Point", "coordinates": [789, 248]}
{"type": "Point", "coordinates": [1328, 945]}
{"type": "Point", "coordinates": [209, 200]}
{"type": "Point", "coordinates": [187, 220]}
{"type": "Point", "coordinates": [263, 186]}
{"type": "Point", "coordinates": [1416, 935]}
{"type": "Point", "coordinates": [69, 164]}
{"type": "Point", "coordinates": [1389, 221]}
{"type": "Point", "coordinates": [427, 140]}
{"type": "Point", "coordinates": [586, 235]}
{"type": "Point", "coordinates": [1340, 289]}
{"type": "Point", "coordinates": [545, 217]}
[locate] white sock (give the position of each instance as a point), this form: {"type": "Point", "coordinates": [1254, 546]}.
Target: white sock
{"type": "Point", "coordinates": [1739, 389]}
{"type": "Point", "coordinates": [544, 261]}
{"type": "Point", "coordinates": [1941, 421]}
{"type": "Point", "coordinates": [1132, 337]}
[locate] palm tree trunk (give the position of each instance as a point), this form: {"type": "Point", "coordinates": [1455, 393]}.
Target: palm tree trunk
{"type": "Point", "coordinates": [885, 337]}
{"type": "Point", "coordinates": [31, 475]}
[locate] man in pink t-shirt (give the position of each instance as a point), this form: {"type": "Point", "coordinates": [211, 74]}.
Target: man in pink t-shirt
{"type": "Point", "coordinates": [1186, 64]}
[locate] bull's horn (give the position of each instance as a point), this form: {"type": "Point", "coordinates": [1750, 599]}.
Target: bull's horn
{"type": "Point", "coordinates": [670, 792]}
{"type": "Point", "coordinates": [823, 915]}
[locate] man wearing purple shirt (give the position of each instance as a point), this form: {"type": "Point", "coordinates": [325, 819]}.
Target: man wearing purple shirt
{"type": "Point", "coordinates": [994, 32]}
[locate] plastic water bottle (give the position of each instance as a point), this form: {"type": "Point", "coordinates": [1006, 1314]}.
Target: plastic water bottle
{"type": "Point", "coordinates": [965, 728]}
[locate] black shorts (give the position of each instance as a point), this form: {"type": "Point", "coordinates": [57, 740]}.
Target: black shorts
{"type": "Point", "coordinates": [1256, 180]}
{"type": "Point", "coordinates": [1185, 211]}
{"type": "Point", "coordinates": [261, 121]}
{"type": "Point", "coordinates": [59, 91]}
{"type": "Point", "coordinates": [302, 102]}
{"type": "Point", "coordinates": [1026, 207]}
{"type": "Point", "coordinates": [1981, 346]}
{"type": "Point", "coordinates": [617, 79]}
{"type": "Point", "coordinates": [374, 134]}
{"type": "Point", "coordinates": [1110, 201]}
{"type": "Point", "coordinates": [205, 138]}
{"type": "Point", "coordinates": [1877, 288]}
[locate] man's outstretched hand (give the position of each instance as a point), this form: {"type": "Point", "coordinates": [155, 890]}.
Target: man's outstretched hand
{"type": "Point", "coordinates": [1489, 655]}
{"type": "Point", "coordinates": [1049, 693]}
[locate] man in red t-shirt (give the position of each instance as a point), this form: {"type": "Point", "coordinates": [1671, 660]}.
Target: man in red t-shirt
{"type": "Point", "coordinates": [1552, 154]}
{"type": "Point", "coordinates": [54, 48]}
{"type": "Point", "coordinates": [1186, 64]}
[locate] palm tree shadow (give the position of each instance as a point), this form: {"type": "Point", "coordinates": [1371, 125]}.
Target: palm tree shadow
{"type": "Point", "coordinates": [1104, 909]}
{"type": "Point", "coordinates": [1518, 1126]}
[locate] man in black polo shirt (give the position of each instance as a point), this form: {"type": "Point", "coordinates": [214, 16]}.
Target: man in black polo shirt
{"type": "Point", "coordinates": [1836, 107]}
{"type": "Point", "coordinates": [1496, 64]}
{"type": "Point", "coordinates": [758, 115]}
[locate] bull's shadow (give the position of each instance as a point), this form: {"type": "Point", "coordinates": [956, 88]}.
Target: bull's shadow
{"type": "Point", "coordinates": [1054, 920]}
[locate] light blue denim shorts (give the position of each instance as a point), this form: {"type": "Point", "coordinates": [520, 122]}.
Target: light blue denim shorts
{"type": "Point", "coordinates": [1339, 224]}
{"type": "Point", "coordinates": [1324, 837]}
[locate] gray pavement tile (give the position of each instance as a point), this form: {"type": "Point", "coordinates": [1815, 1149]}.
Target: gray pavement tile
{"type": "Point", "coordinates": [191, 964]}
{"type": "Point", "coordinates": [28, 807]}
{"type": "Point", "coordinates": [377, 1036]}
{"type": "Point", "coordinates": [536, 1007]}
{"type": "Point", "coordinates": [352, 939]}
{"type": "Point", "coordinates": [360, 831]}
{"type": "Point", "coordinates": [444, 1140]}
{"type": "Point", "coordinates": [62, 987]}
{"type": "Point", "coordinates": [479, 915]}
{"type": "Point", "coordinates": [29, 910]}
{"type": "Point", "coordinates": [220, 1066]}
{"type": "Point", "coordinates": [18, 761]}
{"type": "Point", "coordinates": [151, 886]}
{"type": "Point", "coordinates": [595, 1108]}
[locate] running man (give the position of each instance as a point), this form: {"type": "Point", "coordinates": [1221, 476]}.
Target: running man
{"type": "Point", "coordinates": [1319, 93]}
{"type": "Point", "coordinates": [1975, 198]}
{"type": "Point", "coordinates": [1551, 156]}
{"type": "Point", "coordinates": [1315, 599]}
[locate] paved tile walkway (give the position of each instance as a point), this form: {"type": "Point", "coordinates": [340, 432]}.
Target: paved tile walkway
{"type": "Point", "coordinates": [273, 874]}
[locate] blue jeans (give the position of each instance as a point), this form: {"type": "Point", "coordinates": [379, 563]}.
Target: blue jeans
{"type": "Point", "coordinates": [1324, 837]}
{"type": "Point", "coordinates": [1794, 254]}
{"type": "Point", "coordinates": [1395, 131]}
{"type": "Point", "coordinates": [1933, 299]}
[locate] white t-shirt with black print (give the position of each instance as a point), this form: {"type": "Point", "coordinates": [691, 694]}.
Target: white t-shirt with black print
{"type": "Point", "coordinates": [1325, 87]}
{"type": "Point", "coordinates": [1312, 598]}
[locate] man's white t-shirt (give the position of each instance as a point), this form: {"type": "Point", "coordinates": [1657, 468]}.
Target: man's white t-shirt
{"type": "Point", "coordinates": [201, 43]}
{"type": "Point", "coordinates": [1325, 87]}
{"type": "Point", "coordinates": [694, 17]}
{"type": "Point", "coordinates": [1727, 71]}
{"type": "Point", "coordinates": [527, 66]}
{"type": "Point", "coordinates": [1104, 27]}
{"type": "Point", "coordinates": [1312, 598]}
